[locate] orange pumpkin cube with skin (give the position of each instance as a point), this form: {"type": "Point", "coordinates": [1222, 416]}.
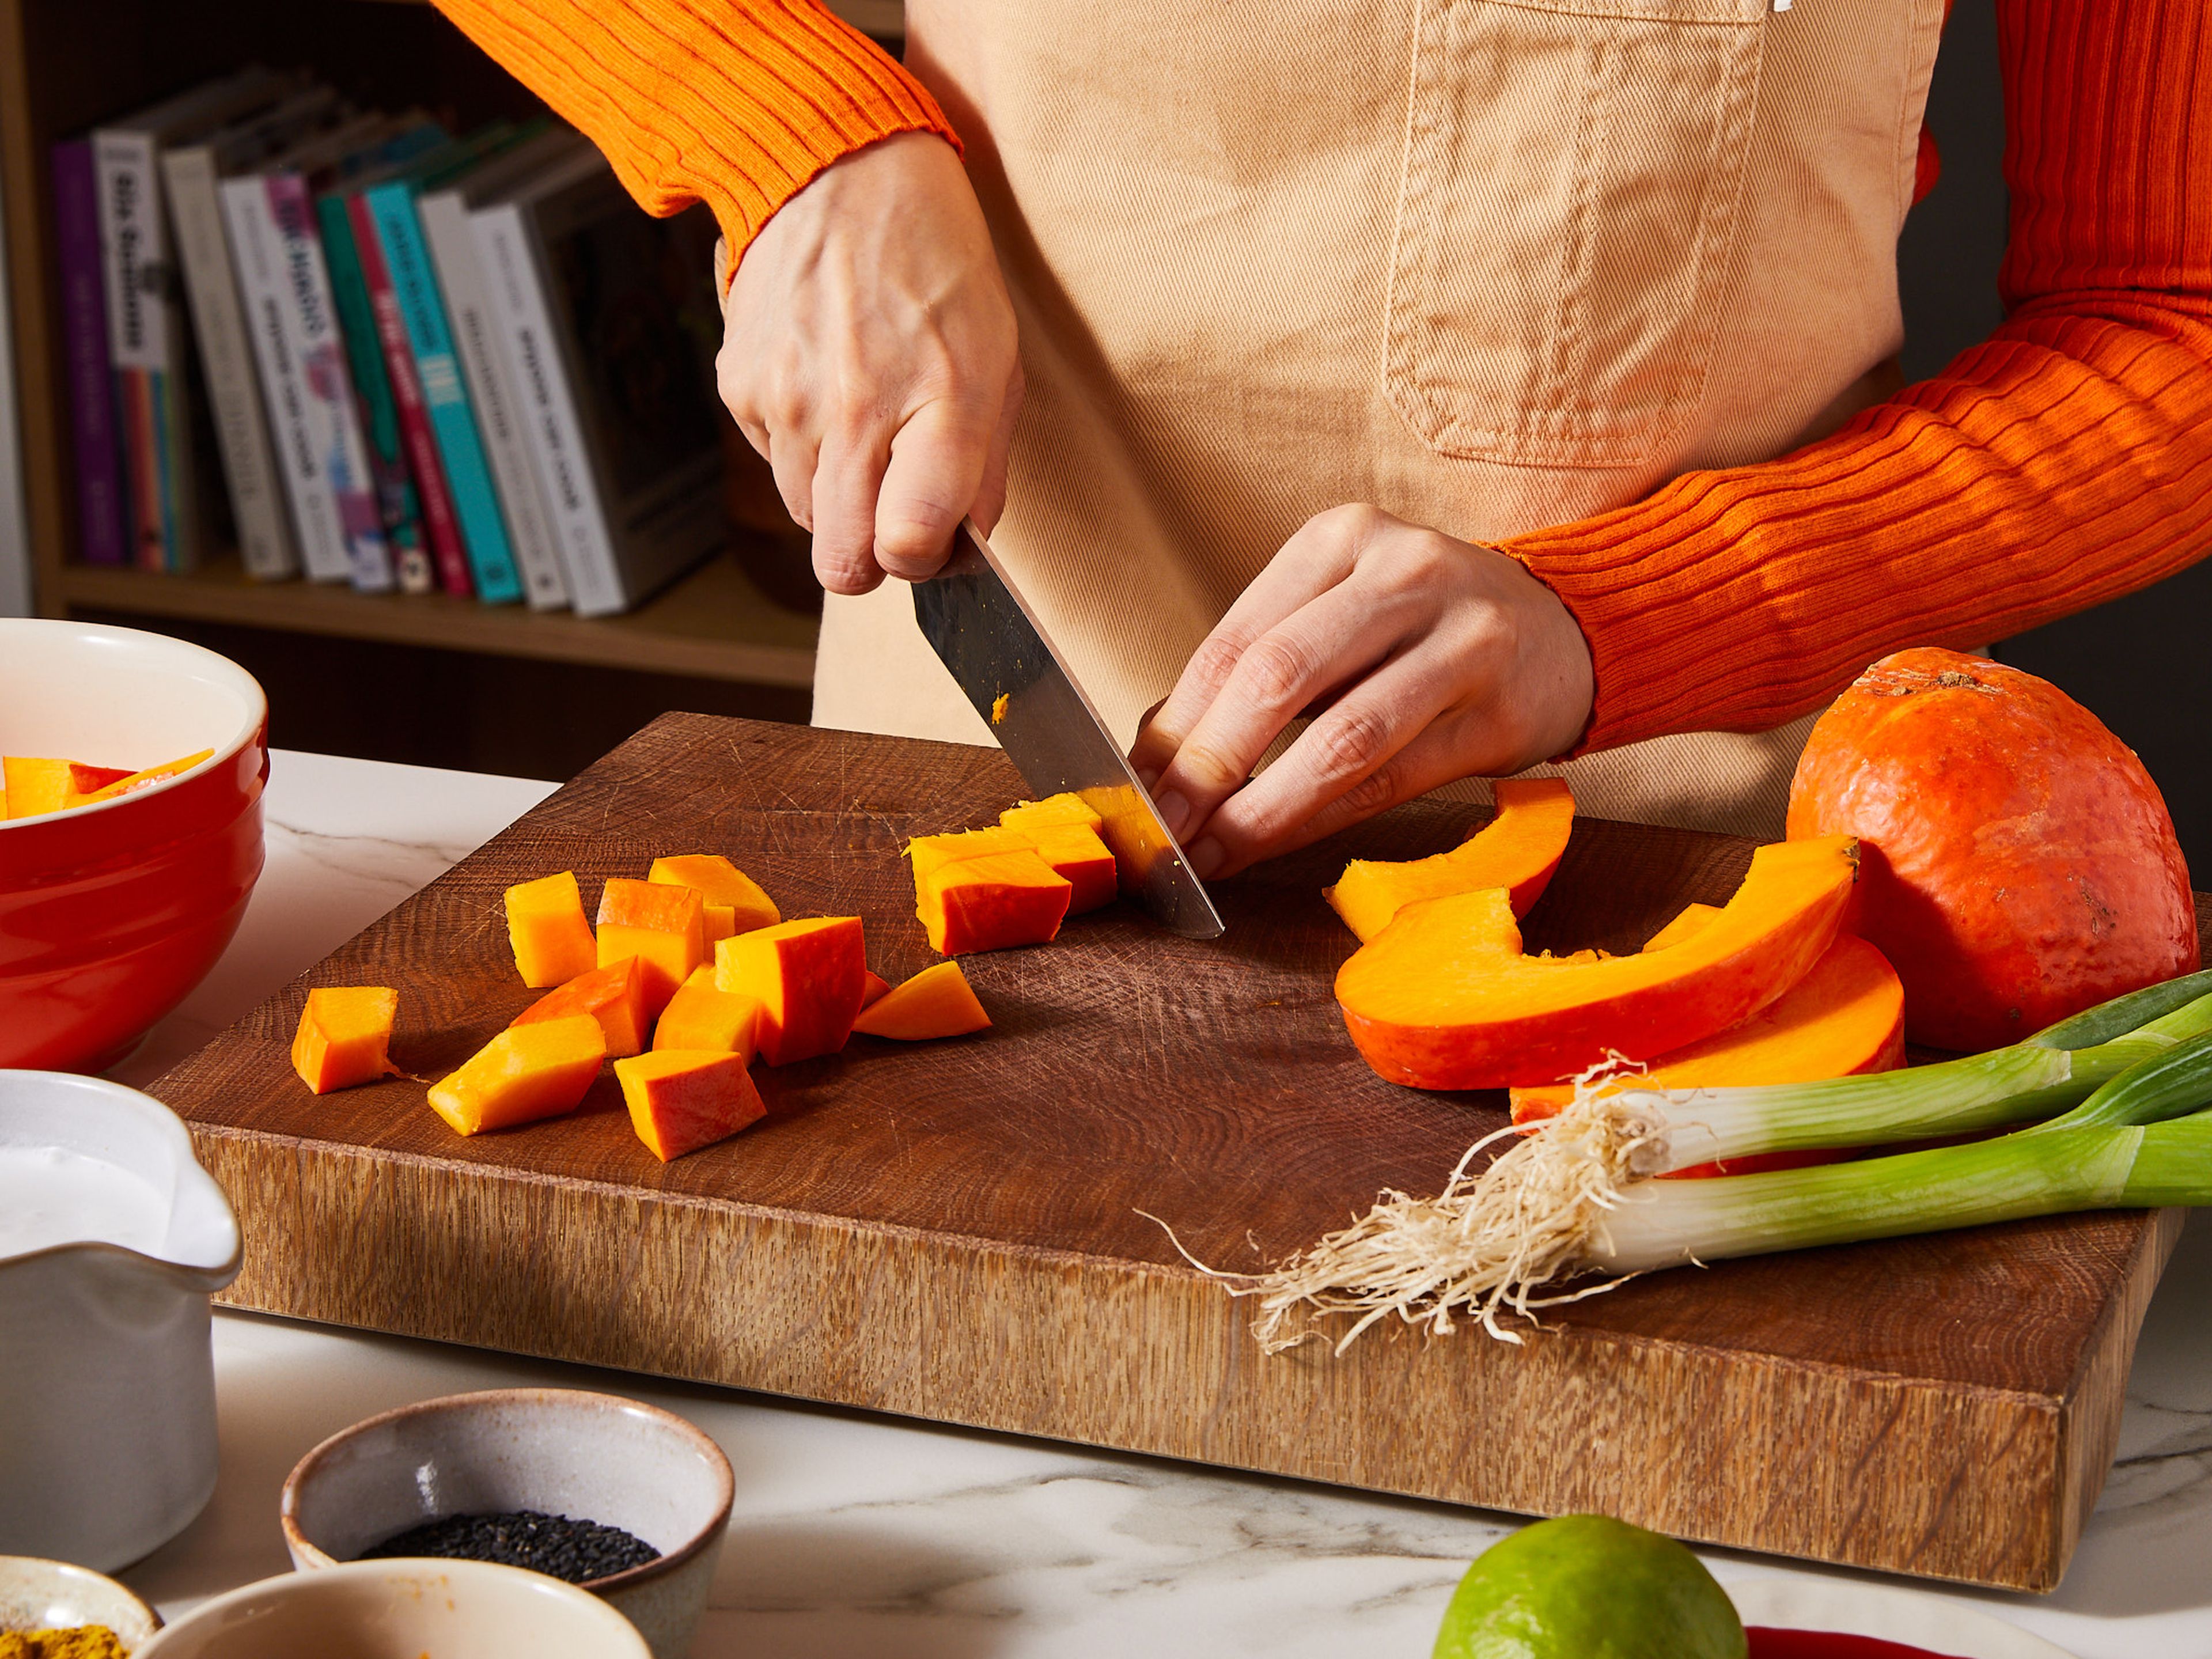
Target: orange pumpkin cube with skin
{"type": "Point", "coordinates": [1074, 852]}
{"type": "Point", "coordinates": [683, 1099]}
{"type": "Point", "coordinates": [525, 1073]}
{"type": "Point", "coordinates": [546, 927]}
{"type": "Point", "coordinates": [937, 1002]}
{"type": "Point", "coordinates": [988, 903]}
{"type": "Point", "coordinates": [873, 988]}
{"type": "Point", "coordinates": [700, 1016]}
{"type": "Point", "coordinates": [663, 927]}
{"type": "Point", "coordinates": [345, 1036]}
{"type": "Point", "coordinates": [613, 995]}
{"type": "Point", "coordinates": [1054, 811]}
{"type": "Point", "coordinates": [734, 901]}
{"type": "Point", "coordinates": [929, 854]}
{"type": "Point", "coordinates": [808, 977]}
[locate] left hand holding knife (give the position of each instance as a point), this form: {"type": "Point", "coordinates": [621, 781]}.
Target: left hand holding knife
{"type": "Point", "coordinates": [1420, 658]}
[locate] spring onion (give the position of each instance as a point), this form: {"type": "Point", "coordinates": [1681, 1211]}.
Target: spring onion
{"type": "Point", "coordinates": [1573, 1198]}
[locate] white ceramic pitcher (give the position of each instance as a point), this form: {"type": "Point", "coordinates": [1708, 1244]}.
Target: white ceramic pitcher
{"type": "Point", "coordinates": [107, 1427]}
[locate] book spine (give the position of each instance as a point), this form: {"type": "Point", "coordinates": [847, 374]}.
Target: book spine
{"type": "Point", "coordinates": [399, 234]}
{"type": "Point", "coordinates": [257, 249]}
{"type": "Point", "coordinates": [400, 504]}
{"type": "Point", "coordinates": [123, 162]}
{"type": "Point", "coordinates": [249, 466]}
{"type": "Point", "coordinates": [460, 277]}
{"type": "Point", "coordinates": [546, 409]}
{"type": "Point", "coordinates": [334, 420]}
{"type": "Point", "coordinates": [103, 514]}
{"type": "Point", "coordinates": [443, 527]}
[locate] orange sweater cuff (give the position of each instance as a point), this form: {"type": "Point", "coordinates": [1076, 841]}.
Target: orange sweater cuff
{"type": "Point", "coordinates": [735, 103]}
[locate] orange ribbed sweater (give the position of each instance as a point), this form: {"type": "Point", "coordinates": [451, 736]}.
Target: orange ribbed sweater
{"type": "Point", "coordinates": [2064, 461]}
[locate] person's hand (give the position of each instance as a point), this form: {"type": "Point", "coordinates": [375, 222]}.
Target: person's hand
{"type": "Point", "coordinates": [1422, 659]}
{"type": "Point", "coordinates": [868, 353]}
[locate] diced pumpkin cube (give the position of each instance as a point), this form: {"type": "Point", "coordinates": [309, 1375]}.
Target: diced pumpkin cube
{"type": "Point", "coordinates": [807, 978]}
{"type": "Point", "coordinates": [345, 1036]}
{"type": "Point", "coordinates": [873, 988]}
{"type": "Point", "coordinates": [123, 786]}
{"type": "Point", "coordinates": [717, 922]}
{"type": "Point", "coordinates": [929, 853]}
{"type": "Point", "coordinates": [663, 926]}
{"type": "Point", "coordinates": [613, 995]}
{"type": "Point", "coordinates": [1074, 852]}
{"type": "Point", "coordinates": [527, 1072]}
{"type": "Point", "coordinates": [723, 887]}
{"type": "Point", "coordinates": [682, 1099]}
{"type": "Point", "coordinates": [701, 1017]}
{"type": "Point", "coordinates": [1055, 810]}
{"type": "Point", "coordinates": [937, 1002]}
{"type": "Point", "coordinates": [545, 926]}
{"type": "Point", "coordinates": [35, 785]}
{"type": "Point", "coordinates": [990, 903]}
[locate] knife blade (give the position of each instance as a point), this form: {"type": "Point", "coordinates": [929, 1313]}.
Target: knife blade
{"type": "Point", "coordinates": [993, 644]}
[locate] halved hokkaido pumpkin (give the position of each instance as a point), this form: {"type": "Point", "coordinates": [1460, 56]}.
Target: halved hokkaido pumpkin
{"type": "Point", "coordinates": [1443, 999]}
{"type": "Point", "coordinates": [1516, 850]}
{"type": "Point", "coordinates": [937, 1002]}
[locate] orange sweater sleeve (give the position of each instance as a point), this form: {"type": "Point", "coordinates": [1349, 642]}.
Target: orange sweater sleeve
{"type": "Point", "coordinates": [2064, 461]}
{"type": "Point", "coordinates": [735, 103]}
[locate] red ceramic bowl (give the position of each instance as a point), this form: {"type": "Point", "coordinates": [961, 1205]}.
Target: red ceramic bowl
{"type": "Point", "coordinates": [110, 914]}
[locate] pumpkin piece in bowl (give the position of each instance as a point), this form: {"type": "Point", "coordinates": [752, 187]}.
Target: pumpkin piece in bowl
{"type": "Point", "coordinates": [546, 926]}
{"type": "Point", "coordinates": [525, 1073]}
{"type": "Point", "coordinates": [345, 1036]}
{"type": "Point", "coordinates": [682, 1099]}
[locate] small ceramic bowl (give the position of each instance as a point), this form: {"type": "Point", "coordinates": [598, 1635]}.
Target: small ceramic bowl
{"type": "Point", "coordinates": [111, 914]}
{"type": "Point", "coordinates": [107, 1425]}
{"type": "Point", "coordinates": [36, 1594]}
{"type": "Point", "coordinates": [559, 1451]}
{"type": "Point", "coordinates": [402, 1610]}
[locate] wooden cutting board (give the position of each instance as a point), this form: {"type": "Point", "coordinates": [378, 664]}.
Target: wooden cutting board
{"type": "Point", "coordinates": [950, 1230]}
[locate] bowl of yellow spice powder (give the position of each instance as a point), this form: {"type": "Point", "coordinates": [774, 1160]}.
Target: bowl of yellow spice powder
{"type": "Point", "coordinates": [53, 1610]}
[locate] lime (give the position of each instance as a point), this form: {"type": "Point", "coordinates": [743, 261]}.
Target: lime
{"type": "Point", "coordinates": [1590, 1587]}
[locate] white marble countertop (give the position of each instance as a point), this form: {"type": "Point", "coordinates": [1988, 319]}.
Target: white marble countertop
{"type": "Point", "coordinates": [860, 1535]}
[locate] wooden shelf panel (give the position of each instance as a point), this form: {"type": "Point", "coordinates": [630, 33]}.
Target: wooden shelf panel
{"type": "Point", "coordinates": [713, 623]}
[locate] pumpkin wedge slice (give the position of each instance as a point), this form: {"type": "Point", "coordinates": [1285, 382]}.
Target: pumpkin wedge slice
{"type": "Point", "coordinates": [1516, 850]}
{"type": "Point", "coordinates": [1443, 999]}
{"type": "Point", "coordinates": [937, 1002]}
{"type": "Point", "coordinates": [1845, 1016]}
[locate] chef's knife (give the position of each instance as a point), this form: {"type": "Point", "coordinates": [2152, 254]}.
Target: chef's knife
{"type": "Point", "coordinates": [992, 641]}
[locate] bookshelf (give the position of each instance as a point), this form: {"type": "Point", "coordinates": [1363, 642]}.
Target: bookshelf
{"type": "Point", "coordinates": [67, 64]}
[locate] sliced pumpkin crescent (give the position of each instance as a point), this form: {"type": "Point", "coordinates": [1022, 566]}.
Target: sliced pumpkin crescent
{"type": "Point", "coordinates": [1443, 999]}
{"type": "Point", "coordinates": [1516, 850]}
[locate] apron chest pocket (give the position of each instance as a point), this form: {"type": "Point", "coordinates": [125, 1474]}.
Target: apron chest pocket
{"type": "Point", "coordinates": [1572, 180]}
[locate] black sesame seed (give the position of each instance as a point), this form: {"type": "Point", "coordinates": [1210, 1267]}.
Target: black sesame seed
{"type": "Point", "coordinates": [577, 1551]}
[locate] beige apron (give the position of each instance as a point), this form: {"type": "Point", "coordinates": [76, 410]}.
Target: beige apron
{"type": "Point", "coordinates": [1490, 264]}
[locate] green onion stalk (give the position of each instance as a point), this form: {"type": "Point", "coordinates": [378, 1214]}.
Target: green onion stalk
{"type": "Point", "coordinates": [2115, 1100]}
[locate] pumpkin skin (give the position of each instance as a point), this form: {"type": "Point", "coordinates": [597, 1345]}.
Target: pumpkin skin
{"type": "Point", "coordinates": [2017, 863]}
